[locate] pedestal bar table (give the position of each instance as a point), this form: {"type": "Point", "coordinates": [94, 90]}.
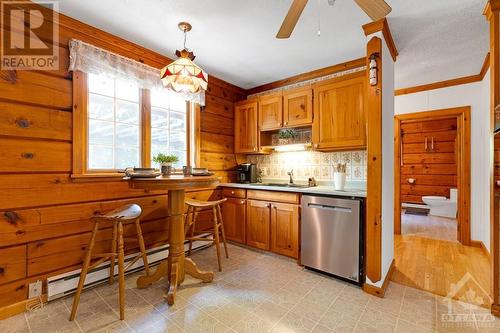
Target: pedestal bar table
{"type": "Point", "coordinates": [176, 266]}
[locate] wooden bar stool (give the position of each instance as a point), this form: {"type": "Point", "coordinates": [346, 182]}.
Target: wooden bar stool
{"type": "Point", "coordinates": [118, 217]}
{"type": "Point", "coordinates": [194, 206]}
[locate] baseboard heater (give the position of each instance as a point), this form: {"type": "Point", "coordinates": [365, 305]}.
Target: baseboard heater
{"type": "Point", "coordinates": [65, 284]}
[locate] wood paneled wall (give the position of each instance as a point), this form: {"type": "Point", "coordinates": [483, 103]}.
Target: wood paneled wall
{"type": "Point", "coordinates": [44, 213]}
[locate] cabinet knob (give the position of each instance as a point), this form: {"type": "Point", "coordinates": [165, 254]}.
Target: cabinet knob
{"type": "Point", "coordinates": [268, 205]}
{"type": "Point", "coordinates": [316, 145]}
{"type": "Point", "coordinates": [232, 192]}
{"type": "Point", "coordinates": [254, 148]}
{"type": "Point", "coordinates": [23, 123]}
{"type": "Point", "coordinates": [242, 202]}
{"type": "Point", "coordinates": [28, 156]}
{"type": "Point", "coordinates": [286, 122]}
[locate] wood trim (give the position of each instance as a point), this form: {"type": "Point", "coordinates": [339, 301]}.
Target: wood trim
{"type": "Point", "coordinates": [80, 99]}
{"type": "Point", "coordinates": [480, 245]}
{"type": "Point", "coordinates": [380, 292]}
{"type": "Point", "coordinates": [17, 308]}
{"type": "Point", "coordinates": [492, 14]}
{"type": "Point", "coordinates": [495, 310]}
{"type": "Point", "coordinates": [374, 184]}
{"type": "Point", "coordinates": [382, 25]}
{"type": "Point", "coordinates": [197, 134]}
{"type": "Point", "coordinates": [145, 101]}
{"type": "Point", "coordinates": [438, 85]}
{"type": "Point", "coordinates": [486, 66]}
{"type": "Point", "coordinates": [308, 76]}
{"type": "Point", "coordinates": [463, 137]}
{"type": "Point", "coordinates": [397, 176]}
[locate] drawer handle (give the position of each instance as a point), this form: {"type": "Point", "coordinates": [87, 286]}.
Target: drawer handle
{"type": "Point", "coordinates": [28, 156]}
{"type": "Point", "coordinates": [2, 271]}
{"type": "Point", "coordinates": [11, 217]}
{"type": "Point", "coordinates": [23, 123]}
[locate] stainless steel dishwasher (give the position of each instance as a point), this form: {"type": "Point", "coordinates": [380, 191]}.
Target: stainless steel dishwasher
{"type": "Point", "coordinates": [332, 236]}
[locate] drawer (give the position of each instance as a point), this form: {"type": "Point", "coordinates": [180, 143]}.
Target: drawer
{"type": "Point", "coordinates": [12, 263]}
{"type": "Point", "coordinates": [274, 196]}
{"type": "Point", "coordinates": [234, 192]}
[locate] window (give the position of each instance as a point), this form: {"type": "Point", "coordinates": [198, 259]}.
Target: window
{"type": "Point", "coordinates": [113, 124]}
{"type": "Point", "coordinates": [168, 125]}
{"type": "Point", "coordinates": [118, 125]}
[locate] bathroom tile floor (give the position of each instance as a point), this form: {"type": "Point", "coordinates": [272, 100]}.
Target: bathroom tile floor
{"type": "Point", "coordinates": [257, 292]}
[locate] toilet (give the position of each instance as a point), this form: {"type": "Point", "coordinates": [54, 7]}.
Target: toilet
{"type": "Point", "coordinates": [441, 206]}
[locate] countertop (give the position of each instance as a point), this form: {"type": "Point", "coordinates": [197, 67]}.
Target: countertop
{"type": "Point", "coordinates": [320, 189]}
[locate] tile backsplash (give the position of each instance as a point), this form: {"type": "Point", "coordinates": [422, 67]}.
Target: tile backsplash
{"type": "Point", "coordinates": [315, 164]}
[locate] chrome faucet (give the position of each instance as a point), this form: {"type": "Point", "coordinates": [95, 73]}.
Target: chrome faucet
{"type": "Point", "coordinates": [290, 173]}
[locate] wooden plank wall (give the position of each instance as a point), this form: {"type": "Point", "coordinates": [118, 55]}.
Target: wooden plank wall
{"type": "Point", "coordinates": [434, 168]}
{"type": "Point", "coordinates": [44, 214]}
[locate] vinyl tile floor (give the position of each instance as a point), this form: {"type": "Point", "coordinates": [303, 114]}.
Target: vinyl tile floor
{"type": "Point", "coordinates": [256, 292]}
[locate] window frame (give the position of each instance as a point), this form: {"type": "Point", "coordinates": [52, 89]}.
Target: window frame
{"type": "Point", "coordinates": [80, 132]}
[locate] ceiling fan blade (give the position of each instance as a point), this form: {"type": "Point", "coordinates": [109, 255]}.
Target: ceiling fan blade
{"type": "Point", "coordinates": [291, 18]}
{"type": "Point", "coordinates": [376, 9]}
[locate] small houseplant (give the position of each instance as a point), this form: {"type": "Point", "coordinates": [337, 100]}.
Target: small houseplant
{"type": "Point", "coordinates": [165, 162]}
{"type": "Point", "coordinates": [287, 136]}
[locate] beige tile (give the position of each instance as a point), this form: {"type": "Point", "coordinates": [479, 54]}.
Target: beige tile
{"type": "Point", "coordinates": [408, 327]}
{"type": "Point", "coordinates": [230, 314]}
{"type": "Point", "coordinates": [379, 320]}
{"type": "Point", "coordinates": [52, 318]}
{"type": "Point", "coordinates": [340, 320]}
{"type": "Point", "coordinates": [16, 324]}
{"type": "Point", "coordinates": [293, 323]}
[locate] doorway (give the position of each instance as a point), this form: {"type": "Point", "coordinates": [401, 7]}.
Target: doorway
{"type": "Point", "coordinates": [432, 164]}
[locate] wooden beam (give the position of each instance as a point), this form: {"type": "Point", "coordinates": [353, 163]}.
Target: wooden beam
{"type": "Point", "coordinates": [374, 184]}
{"type": "Point", "coordinates": [308, 76]}
{"type": "Point", "coordinates": [380, 292]}
{"type": "Point", "coordinates": [382, 25]}
{"type": "Point", "coordinates": [486, 66]}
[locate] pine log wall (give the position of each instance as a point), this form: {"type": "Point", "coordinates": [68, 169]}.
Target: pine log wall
{"type": "Point", "coordinates": [44, 214]}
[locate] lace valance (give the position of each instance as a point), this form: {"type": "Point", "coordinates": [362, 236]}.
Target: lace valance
{"type": "Point", "coordinates": [91, 59]}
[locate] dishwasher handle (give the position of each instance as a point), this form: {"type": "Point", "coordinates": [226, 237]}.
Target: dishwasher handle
{"type": "Point", "coordinates": [328, 207]}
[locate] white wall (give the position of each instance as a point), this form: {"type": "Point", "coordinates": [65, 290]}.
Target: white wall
{"type": "Point", "coordinates": [476, 95]}
{"type": "Point", "coordinates": [387, 161]}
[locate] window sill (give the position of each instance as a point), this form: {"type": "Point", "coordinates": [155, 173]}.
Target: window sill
{"type": "Point", "coordinates": [98, 177]}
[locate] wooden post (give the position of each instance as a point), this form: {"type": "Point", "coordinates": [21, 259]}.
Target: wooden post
{"type": "Point", "coordinates": [374, 162]}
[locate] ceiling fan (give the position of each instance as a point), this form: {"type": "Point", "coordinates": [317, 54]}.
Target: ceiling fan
{"type": "Point", "coordinates": [375, 9]}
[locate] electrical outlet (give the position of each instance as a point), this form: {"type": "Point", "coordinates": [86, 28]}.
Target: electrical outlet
{"type": "Point", "coordinates": [35, 289]}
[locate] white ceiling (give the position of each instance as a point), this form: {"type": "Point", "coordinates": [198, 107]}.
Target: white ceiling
{"type": "Point", "coordinates": [235, 39]}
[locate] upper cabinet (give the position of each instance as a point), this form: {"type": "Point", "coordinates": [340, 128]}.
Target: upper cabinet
{"type": "Point", "coordinates": [339, 114]}
{"type": "Point", "coordinates": [246, 138]}
{"type": "Point", "coordinates": [297, 107]}
{"type": "Point", "coordinates": [270, 112]}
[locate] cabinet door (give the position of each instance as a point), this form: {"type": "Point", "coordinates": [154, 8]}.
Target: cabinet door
{"type": "Point", "coordinates": [285, 229]}
{"type": "Point", "coordinates": [270, 112]}
{"type": "Point", "coordinates": [339, 115]}
{"type": "Point", "coordinates": [258, 224]}
{"type": "Point", "coordinates": [297, 107]}
{"type": "Point", "coordinates": [234, 217]}
{"type": "Point", "coordinates": [245, 127]}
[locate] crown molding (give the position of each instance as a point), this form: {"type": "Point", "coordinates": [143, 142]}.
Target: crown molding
{"type": "Point", "coordinates": [383, 26]}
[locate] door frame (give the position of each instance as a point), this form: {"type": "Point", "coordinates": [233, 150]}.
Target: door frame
{"type": "Point", "coordinates": [462, 115]}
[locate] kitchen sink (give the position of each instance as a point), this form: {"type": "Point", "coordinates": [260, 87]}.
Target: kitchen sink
{"type": "Point", "coordinates": [281, 185]}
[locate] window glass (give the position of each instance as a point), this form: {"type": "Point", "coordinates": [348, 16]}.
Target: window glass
{"type": "Point", "coordinates": [168, 125]}
{"type": "Point", "coordinates": [113, 124]}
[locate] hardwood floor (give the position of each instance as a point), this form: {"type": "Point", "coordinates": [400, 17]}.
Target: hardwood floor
{"type": "Point", "coordinates": [429, 227]}
{"type": "Point", "coordinates": [435, 265]}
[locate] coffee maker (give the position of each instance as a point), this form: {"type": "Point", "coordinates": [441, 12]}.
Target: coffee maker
{"type": "Point", "coordinates": [246, 173]}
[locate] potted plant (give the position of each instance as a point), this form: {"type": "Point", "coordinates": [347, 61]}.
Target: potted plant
{"type": "Point", "coordinates": [165, 162]}
{"type": "Point", "coordinates": [287, 136]}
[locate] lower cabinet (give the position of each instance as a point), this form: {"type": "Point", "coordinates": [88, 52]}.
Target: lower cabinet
{"type": "Point", "coordinates": [285, 229]}
{"type": "Point", "coordinates": [255, 219]}
{"type": "Point", "coordinates": [258, 224]}
{"type": "Point", "coordinates": [234, 217]}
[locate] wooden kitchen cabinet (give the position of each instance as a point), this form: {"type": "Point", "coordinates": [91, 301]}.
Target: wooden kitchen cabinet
{"type": "Point", "coordinates": [339, 114]}
{"type": "Point", "coordinates": [270, 112]}
{"type": "Point", "coordinates": [246, 138]}
{"type": "Point", "coordinates": [285, 229]}
{"type": "Point", "coordinates": [234, 218]}
{"type": "Point", "coordinates": [258, 224]}
{"type": "Point", "coordinates": [298, 107]}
